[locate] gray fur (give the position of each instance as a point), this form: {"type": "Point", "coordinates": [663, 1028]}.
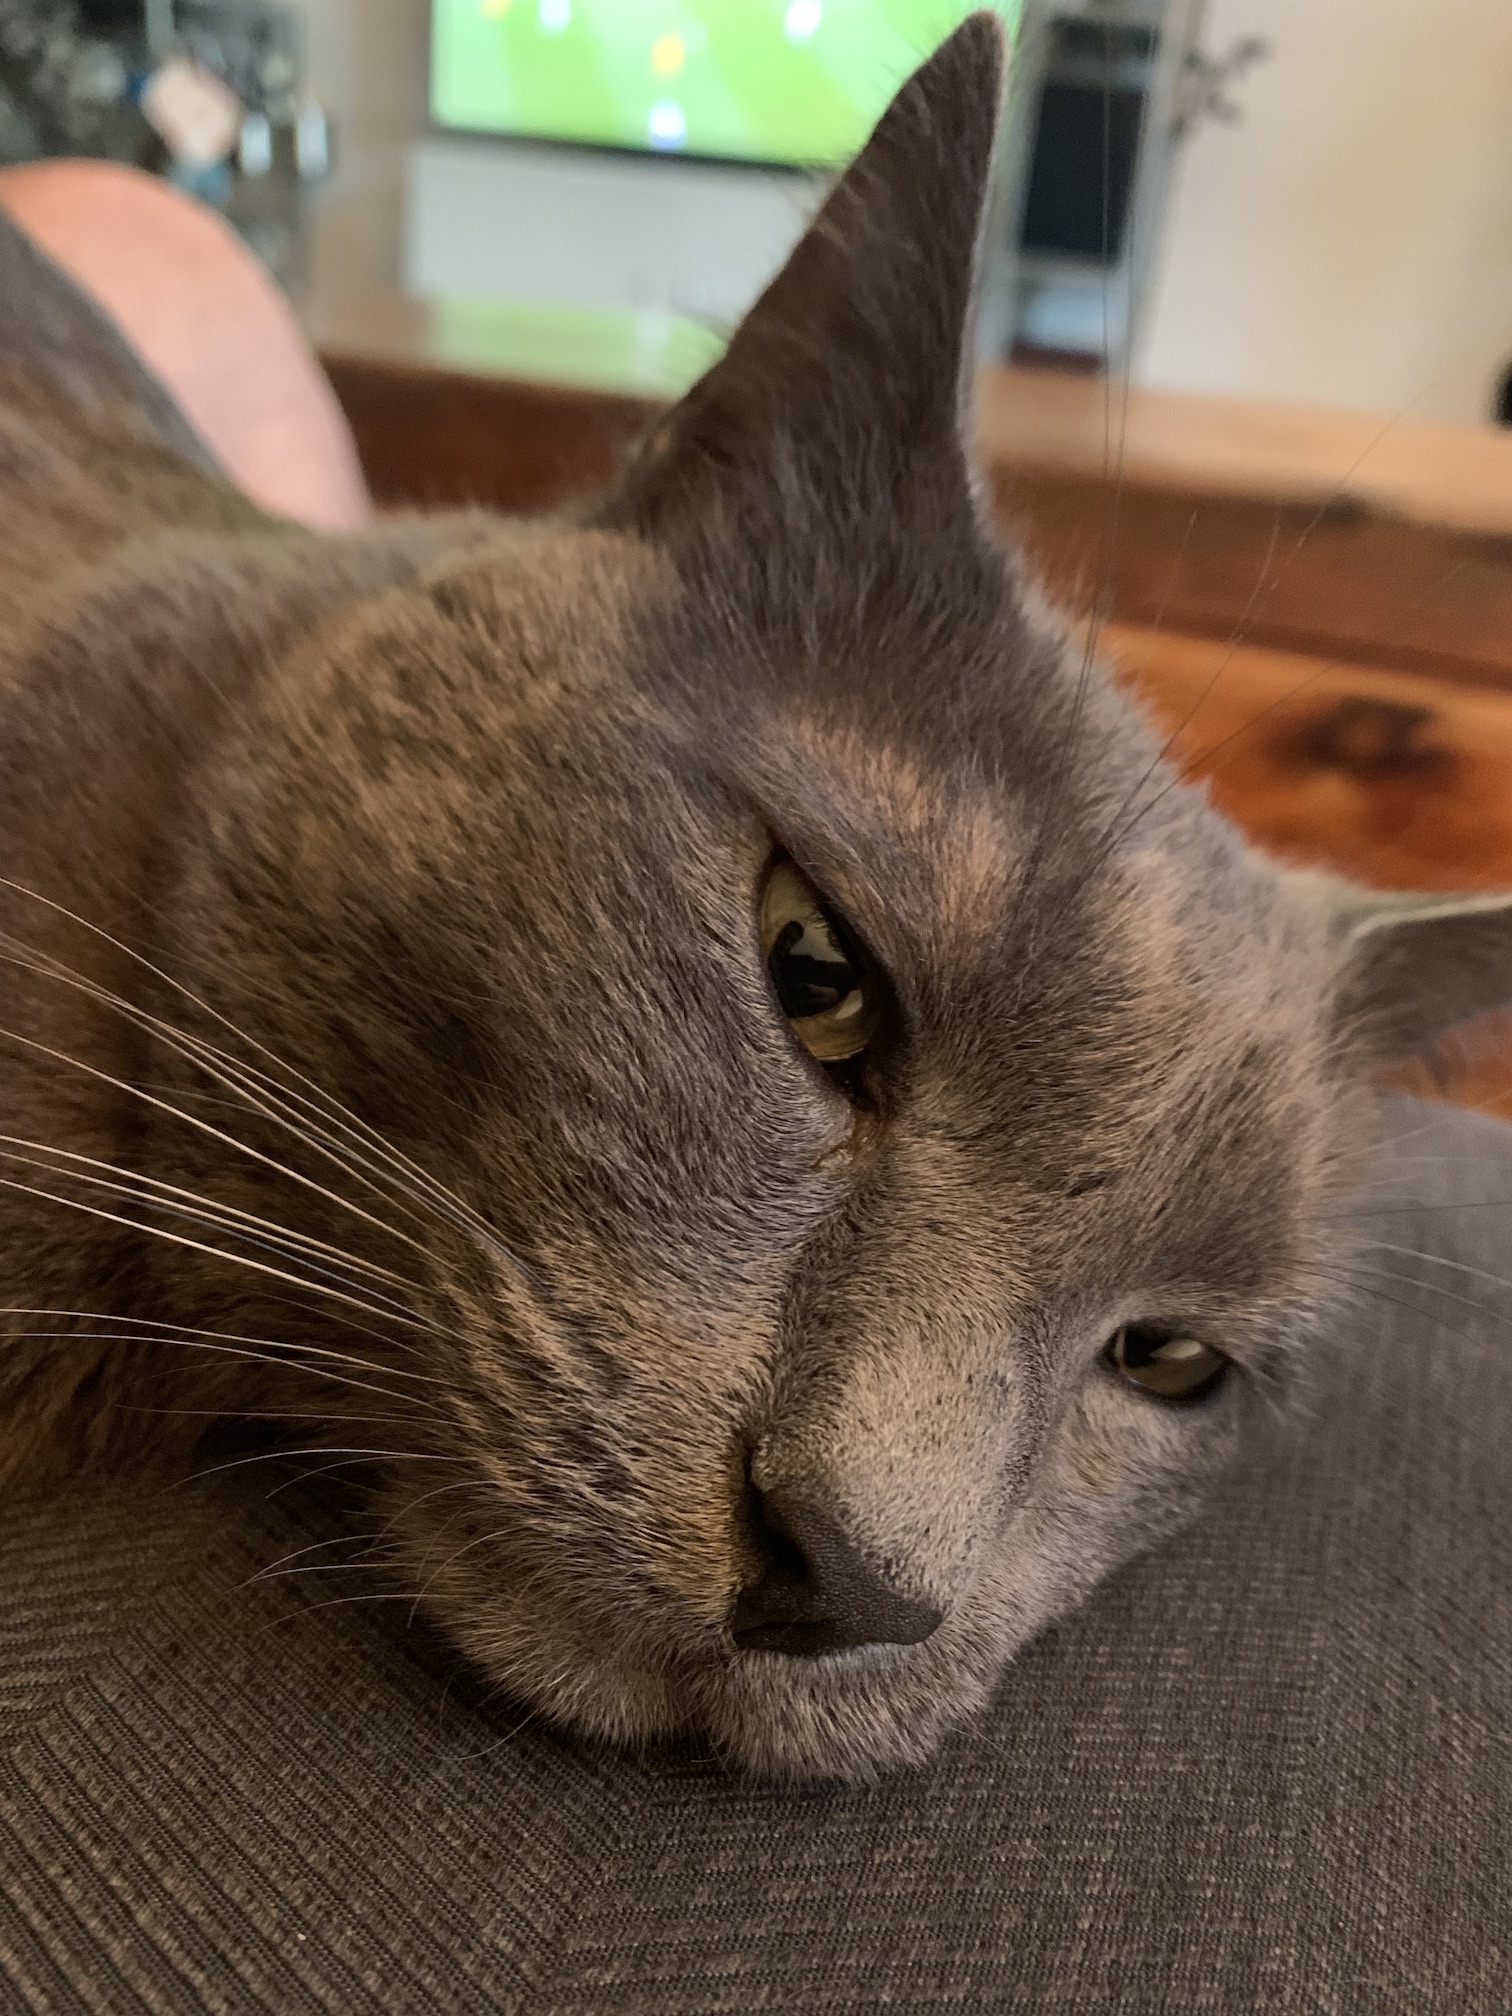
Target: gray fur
{"type": "Point", "coordinates": [464, 822]}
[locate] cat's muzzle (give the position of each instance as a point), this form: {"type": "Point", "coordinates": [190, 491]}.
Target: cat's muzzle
{"type": "Point", "coordinates": [819, 1592]}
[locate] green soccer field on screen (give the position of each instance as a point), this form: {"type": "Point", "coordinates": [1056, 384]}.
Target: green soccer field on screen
{"type": "Point", "coordinates": [799, 81]}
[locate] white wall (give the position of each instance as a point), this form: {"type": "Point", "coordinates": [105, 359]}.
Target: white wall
{"type": "Point", "coordinates": [1350, 244]}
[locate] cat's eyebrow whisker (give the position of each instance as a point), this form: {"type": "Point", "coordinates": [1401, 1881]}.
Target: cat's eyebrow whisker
{"type": "Point", "coordinates": [349, 1122]}
{"type": "Point", "coordinates": [1438, 1260]}
{"type": "Point", "coordinates": [1444, 1118]}
{"type": "Point", "coordinates": [1367, 1210]}
{"type": "Point", "coordinates": [1269, 582]}
{"type": "Point", "coordinates": [1362, 1284]}
{"type": "Point", "coordinates": [228, 1217]}
{"type": "Point", "coordinates": [1501, 1317]}
{"type": "Point", "coordinates": [1114, 835]}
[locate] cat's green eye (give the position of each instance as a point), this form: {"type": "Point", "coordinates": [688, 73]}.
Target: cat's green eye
{"type": "Point", "coordinates": [1164, 1363]}
{"type": "Point", "coordinates": [820, 980]}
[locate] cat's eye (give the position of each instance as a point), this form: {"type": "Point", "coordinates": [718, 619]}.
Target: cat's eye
{"type": "Point", "coordinates": [1164, 1363]}
{"type": "Point", "coordinates": [820, 978]}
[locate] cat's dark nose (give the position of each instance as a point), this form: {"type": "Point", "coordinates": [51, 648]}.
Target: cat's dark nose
{"type": "Point", "coordinates": [819, 1592]}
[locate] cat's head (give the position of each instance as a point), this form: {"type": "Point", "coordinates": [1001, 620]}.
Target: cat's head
{"type": "Point", "coordinates": [913, 1129]}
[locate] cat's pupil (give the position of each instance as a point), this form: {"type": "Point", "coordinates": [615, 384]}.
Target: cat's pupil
{"type": "Point", "coordinates": [821, 987]}
{"type": "Point", "coordinates": [810, 972]}
{"type": "Point", "coordinates": [1165, 1363]}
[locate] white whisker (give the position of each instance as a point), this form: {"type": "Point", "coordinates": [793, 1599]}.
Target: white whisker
{"type": "Point", "coordinates": [216, 1252]}
{"type": "Point", "coordinates": [190, 1332]}
{"type": "Point", "coordinates": [228, 1217]}
{"type": "Point", "coordinates": [332, 1108]}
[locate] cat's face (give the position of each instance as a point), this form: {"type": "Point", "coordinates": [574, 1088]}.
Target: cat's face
{"type": "Point", "coordinates": [912, 1131]}
{"type": "Point", "coordinates": [756, 1300]}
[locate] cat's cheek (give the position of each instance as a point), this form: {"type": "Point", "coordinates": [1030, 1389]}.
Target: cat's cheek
{"type": "Point", "coordinates": [588, 1680]}
{"type": "Point", "coordinates": [1119, 1473]}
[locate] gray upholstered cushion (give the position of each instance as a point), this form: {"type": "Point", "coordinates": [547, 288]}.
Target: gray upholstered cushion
{"type": "Point", "coordinates": [1270, 1768]}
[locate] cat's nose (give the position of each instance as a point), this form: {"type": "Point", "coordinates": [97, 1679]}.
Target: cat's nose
{"type": "Point", "coordinates": [819, 1592]}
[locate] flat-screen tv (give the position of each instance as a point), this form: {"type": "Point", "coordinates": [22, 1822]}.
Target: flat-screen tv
{"type": "Point", "coordinates": [786, 82]}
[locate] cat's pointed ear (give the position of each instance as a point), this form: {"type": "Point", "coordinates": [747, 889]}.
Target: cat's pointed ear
{"type": "Point", "coordinates": [853, 368]}
{"type": "Point", "coordinates": [1411, 966]}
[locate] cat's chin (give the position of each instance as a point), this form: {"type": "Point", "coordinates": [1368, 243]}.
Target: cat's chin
{"type": "Point", "coordinates": [851, 1717]}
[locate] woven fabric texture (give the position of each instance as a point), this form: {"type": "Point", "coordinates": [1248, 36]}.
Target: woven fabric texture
{"type": "Point", "coordinates": [1269, 1768]}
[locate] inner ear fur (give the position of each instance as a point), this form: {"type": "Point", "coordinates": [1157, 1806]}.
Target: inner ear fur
{"type": "Point", "coordinates": [1413, 965]}
{"type": "Point", "coordinates": [854, 367]}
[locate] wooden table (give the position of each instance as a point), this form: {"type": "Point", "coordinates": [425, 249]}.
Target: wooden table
{"type": "Point", "coordinates": [1316, 607]}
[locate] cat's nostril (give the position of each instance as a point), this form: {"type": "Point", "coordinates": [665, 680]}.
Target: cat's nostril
{"type": "Point", "coordinates": [819, 1593]}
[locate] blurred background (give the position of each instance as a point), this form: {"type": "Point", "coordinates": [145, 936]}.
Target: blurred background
{"type": "Point", "coordinates": [1306, 201]}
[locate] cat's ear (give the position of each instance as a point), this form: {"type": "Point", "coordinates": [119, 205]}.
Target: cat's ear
{"type": "Point", "coordinates": [1411, 966]}
{"type": "Point", "coordinates": [854, 367]}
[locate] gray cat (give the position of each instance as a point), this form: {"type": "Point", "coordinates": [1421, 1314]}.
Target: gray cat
{"type": "Point", "coordinates": [699, 1035]}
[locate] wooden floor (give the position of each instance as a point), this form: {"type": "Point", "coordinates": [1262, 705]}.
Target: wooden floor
{"type": "Point", "coordinates": [1390, 777]}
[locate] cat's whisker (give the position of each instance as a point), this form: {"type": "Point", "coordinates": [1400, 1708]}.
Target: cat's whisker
{"type": "Point", "coordinates": [351, 1327]}
{"type": "Point", "coordinates": [270, 1571]}
{"type": "Point", "coordinates": [478, 1540]}
{"type": "Point", "coordinates": [229, 1074]}
{"type": "Point", "coordinates": [527, 1720]}
{"type": "Point", "coordinates": [247, 1356]}
{"type": "Point", "coordinates": [215, 1252]}
{"type": "Point", "coordinates": [358, 1459]}
{"type": "Point", "coordinates": [230, 1077]}
{"type": "Point", "coordinates": [189, 1333]}
{"type": "Point", "coordinates": [439, 1537]}
{"type": "Point", "coordinates": [189, 1120]}
{"type": "Point", "coordinates": [352, 1455]}
{"type": "Point", "coordinates": [337, 1603]}
{"type": "Point", "coordinates": [332, 1107]}
{"type": "Point", "coordinates": [440, 1491]}
{"type": "Point", "coordinates": [327, 1416]}
{"type": "Point", "coordinates": [190, 1049]}
{"type": "Point", "coordinates": [150, 1190]}
{"type": "Point", "coordinates": [322, 1568]}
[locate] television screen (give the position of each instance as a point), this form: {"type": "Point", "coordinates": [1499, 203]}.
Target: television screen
{"type": "Point", "coordinates": [788, 81]}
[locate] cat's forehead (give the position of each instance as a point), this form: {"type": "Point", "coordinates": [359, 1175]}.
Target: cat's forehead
{"type": "Point", "coordinates": [880, 816]}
